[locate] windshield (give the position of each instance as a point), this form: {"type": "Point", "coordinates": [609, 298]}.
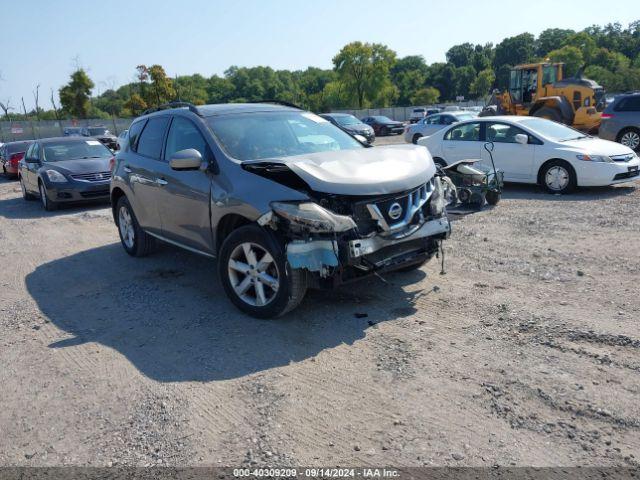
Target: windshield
{"type": "Point", "coordinates": [464, 116]}
{"type": "Point", "coordinates": [347, 120]}
{"type": "Point", "coordinates": [382, 119]}
{"type": "Point", "coordinates": [254, 136]}
{"type": "Point", "coordinates": [75, 150]}
{"type": "Point", "coordinates": [98, 131]}
{"type": "Point", "coordinates": [553, 130]}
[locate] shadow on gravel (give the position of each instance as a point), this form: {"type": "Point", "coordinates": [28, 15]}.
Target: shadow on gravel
{"type": "Point", "coordinates": [534, 192]}
{"type": "Point", "coordinates": [18, 208]}
{"type": "Point", "coordinates": [169, 316]}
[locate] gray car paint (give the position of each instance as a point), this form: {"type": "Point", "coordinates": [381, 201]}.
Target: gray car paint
{"type": "Point", "coordinates": [610, 128]}
{"type": "Point", "coordinates": [222, 187]}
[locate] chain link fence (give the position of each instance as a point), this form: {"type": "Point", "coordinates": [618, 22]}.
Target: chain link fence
{"type": "Point", "coordinates": [14, 130]}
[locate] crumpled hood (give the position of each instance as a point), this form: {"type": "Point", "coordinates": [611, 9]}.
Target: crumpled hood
{"type": "Point", "coordinates": [597, 146]}
{"type": "Point", "coordinates": [74, 167]}
{"type": "Point", "coordinates": [366, 171]}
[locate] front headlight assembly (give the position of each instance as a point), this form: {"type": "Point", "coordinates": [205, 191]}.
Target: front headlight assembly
{"type": "Point", "coordinates": [594, 158]}
{"type": "Point", "coordinates": [313, 217]}
{"type": "Point", "coordinates": [55, 176]}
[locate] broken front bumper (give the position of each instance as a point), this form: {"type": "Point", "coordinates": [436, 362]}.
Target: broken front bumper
{"type": "Point", "coordinates": [343, 260]}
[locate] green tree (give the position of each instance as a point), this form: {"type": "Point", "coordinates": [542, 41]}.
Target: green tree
{"type": "Point", "coordinates": [551, 39]}
{"type": "Point", "coordinates": [514, 50]}
{"type": "Point", "coordinates": [464, 77]}
{"type": "Point", "coordinates": [461, 55]}
{"type": "Point", "coordinates": [569, 55]}
{"type": "Point", "coordinates": [136, 104]}
{"type": "Point", "coordinates": [364, 68]}
{"type": "Point", "coordinates": [482, 84]}
{"type": "Point", "coordinates": [426, 96]}
{"type": "Point", "coordinates": [161, 87]}
{"type": "Point", "coordinates": [75, 95]}
{"type": "Point", "coordinates": [409, 75]}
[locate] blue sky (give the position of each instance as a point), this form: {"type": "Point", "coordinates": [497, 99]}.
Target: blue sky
{"type": "Point", "coordinates": [41, 39]}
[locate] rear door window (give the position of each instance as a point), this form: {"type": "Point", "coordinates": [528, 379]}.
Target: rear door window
{"type": "Point", "coordinates": [467, 132]}
{"type": "Point", "coordinates": [151, 138]}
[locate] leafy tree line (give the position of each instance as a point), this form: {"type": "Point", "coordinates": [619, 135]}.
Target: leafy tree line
{"type": "Point", "coordinates": [370, 75]}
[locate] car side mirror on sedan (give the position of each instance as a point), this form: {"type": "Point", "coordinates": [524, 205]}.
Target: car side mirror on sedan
{"type": "Point", "coordinates": [521, 138]}
{"type": "Point", "coordinates": [187, 159]}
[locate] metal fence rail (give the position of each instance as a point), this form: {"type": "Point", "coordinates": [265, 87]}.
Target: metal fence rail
{"type": "Point", "coordinates": [402, 114]}
{"type": "Point", "coordinates": [31, 129]}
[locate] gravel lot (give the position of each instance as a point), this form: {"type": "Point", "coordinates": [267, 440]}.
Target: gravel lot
{"type": "Point", "coordinates": [525, 353]}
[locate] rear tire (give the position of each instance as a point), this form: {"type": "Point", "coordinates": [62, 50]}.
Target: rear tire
{"type": "Point", "coordinates": [630, 137]}
{"type": "Point", "coordinates": [256, 276]}
{"type": "Point", "coordinates": [492, 197]}
{"type": "Point", "coordinates": [558, 176]}
{"type": "Point", "coordinates": [415, 138]}
{"type": "Point", "coordinates": [135, 241]}
{"type": "Point", "coordinates": [384, 131]}
{"type": "Point", "coordinates": [25, 194]}
{"type": "Point", "coordinates": [440, 162]}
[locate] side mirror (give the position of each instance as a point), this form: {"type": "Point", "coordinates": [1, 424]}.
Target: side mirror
{"type": "Point", "coordinates": [187, 159]}
{"type": "Point", "coordinates": [522, 139]}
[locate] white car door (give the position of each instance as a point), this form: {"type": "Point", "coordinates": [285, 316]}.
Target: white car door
{"type": "Point", "coordinates": [513, 158]}
{"type": "Point", "coordinates": [462, 142]}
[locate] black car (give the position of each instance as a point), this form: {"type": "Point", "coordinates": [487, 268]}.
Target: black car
{"type": "Point", "coordinates": [351, 125]}
{"type": "Point", "coordinates": [65, 169]}
{"type": "Point", "coordinates": [102, 134]}
{"type": "Point", "coordinates": [72, 131]}
{"type": "Point", "coordinates": [384, 125]}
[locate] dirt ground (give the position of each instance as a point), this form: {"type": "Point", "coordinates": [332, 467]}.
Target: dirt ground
{"type": "Point", "coordinates": [525, 353]}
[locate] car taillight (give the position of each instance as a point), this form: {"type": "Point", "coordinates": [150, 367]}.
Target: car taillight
{"type": "Point", "coordinates": [15, 158]}
{"type": "Point", "coordinates": [112, 163]}
{"type": "Point", "coordinates": [606, 115]}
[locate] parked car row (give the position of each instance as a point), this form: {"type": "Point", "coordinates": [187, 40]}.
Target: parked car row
{"type": "Point", "coordinates": [99, 132]}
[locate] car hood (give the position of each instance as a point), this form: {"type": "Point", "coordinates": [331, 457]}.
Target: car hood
{"type": "Point", "coordinates": [74, 167]}
{"type": "Point", "coordinates": [367, 171]}
{"type": "Point", "coordinates": [596, 146]}
{"type": "Point", "coordinates": [361, 127]}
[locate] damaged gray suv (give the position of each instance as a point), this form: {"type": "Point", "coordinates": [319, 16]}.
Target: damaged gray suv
{"type": "Point", "coordinates": [283, 198]}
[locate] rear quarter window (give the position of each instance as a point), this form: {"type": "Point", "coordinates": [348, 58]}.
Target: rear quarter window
{"type": "Point", "coordinates": [628, 104]}
{"type": "Point", "coordinates": [134, 133]}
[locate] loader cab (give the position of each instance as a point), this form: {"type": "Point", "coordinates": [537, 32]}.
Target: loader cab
{"type": "Point", "coordinates": [526, 82]}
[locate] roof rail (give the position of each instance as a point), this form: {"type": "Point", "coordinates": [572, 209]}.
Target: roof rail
{"type": "Point", "coordinates": [165, 106]}
{"type": "Point", "coordinates": [279, 102]}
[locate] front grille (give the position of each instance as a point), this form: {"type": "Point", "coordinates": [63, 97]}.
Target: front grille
{"type": "Point", "coordinates": [92, 177]}
{"type": "Point", "coordinates": [95, 193]}
{"type": "Point", "coordinates": [396, 212]}
{"type": "Point", "coordinates": [627, 157]}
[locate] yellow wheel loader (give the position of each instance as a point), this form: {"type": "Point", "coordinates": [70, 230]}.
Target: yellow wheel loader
{"type": "Point", "coordinates": [539, 90]}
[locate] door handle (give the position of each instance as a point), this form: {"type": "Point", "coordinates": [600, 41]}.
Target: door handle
{"type": "Point", "coordinates": [161, 182]}
{"type": "Point", "coordinates": [127, 169]}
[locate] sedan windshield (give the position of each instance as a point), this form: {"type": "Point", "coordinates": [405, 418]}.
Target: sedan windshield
{"type": "Point", "coordinates": [345, 120]}
{"type": "Point", "coordinates": [254, 136]}
{"type": "Point", "coordinates": [75, 150]}
{"type": "Point", "coordinates": [382, 119]}
{"type": "Point", "coordinates": [464, 116]}
{"type": "Point", "coordinates": [553, 130]}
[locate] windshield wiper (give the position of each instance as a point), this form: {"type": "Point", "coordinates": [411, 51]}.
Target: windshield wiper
{"type": "Point", "coordinates": [95, 156]}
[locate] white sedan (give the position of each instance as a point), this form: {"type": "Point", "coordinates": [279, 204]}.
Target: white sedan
{"type": "Point", "coordinates": [536, 150]}
{"type": "Point", "coordinates": [432, 123]}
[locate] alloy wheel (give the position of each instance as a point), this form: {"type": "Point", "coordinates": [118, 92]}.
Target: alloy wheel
{"type": "Point", "coordinates": [253, 274]}
{"type": "Point", "coordinates": [557, 178]}
{"type": "Point", "coordinates": [125, 224]}
{"type": "Point", "coordinates": [631, 140]}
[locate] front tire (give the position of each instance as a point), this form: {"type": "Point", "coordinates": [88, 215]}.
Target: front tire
{"type": "Point", "coordinates": [256, 276]}
{"type": "Point", "coordinates": [48, 205]}
{"type": "Point", "coordinates": [384, 131]}
{"type": "Point", "coordinates": [630, 137]}
{"type": "Point", "coordinates": [549, 113]}
{"type": "Point", "coordinates": [440, 162]}
{"type": "Point", "coordinates": [492, 197]}
{"type": "Point", "coordinates": [135, 241]}
{"type": "Point", "coordinates": [415, 138]}
{"type": "Point", "coordinates": [558, 176]}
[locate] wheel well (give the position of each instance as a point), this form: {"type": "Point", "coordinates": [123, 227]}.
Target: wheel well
{"type": "Point", "coordinates": [115, 196]}
{"type": "Point", "coordinates": [439, 160]}
{"type": "Point", "coordinates": [544, 165]}
{"type": "Point", "coordinates": [228, 224]}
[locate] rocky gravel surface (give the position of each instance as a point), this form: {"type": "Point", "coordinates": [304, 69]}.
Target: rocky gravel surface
{"type": "Point", "coordinates": [526, 352]}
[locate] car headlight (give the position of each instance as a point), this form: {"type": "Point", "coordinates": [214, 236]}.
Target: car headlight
{"type": "Point", "coordinates": [313, 217]}
{"type": "Point", "coordinates": [594, 158]}
{"type": "Point", "coordinates": [438, 199]}
{"type": "Point", "coordinates": [55, 176]}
